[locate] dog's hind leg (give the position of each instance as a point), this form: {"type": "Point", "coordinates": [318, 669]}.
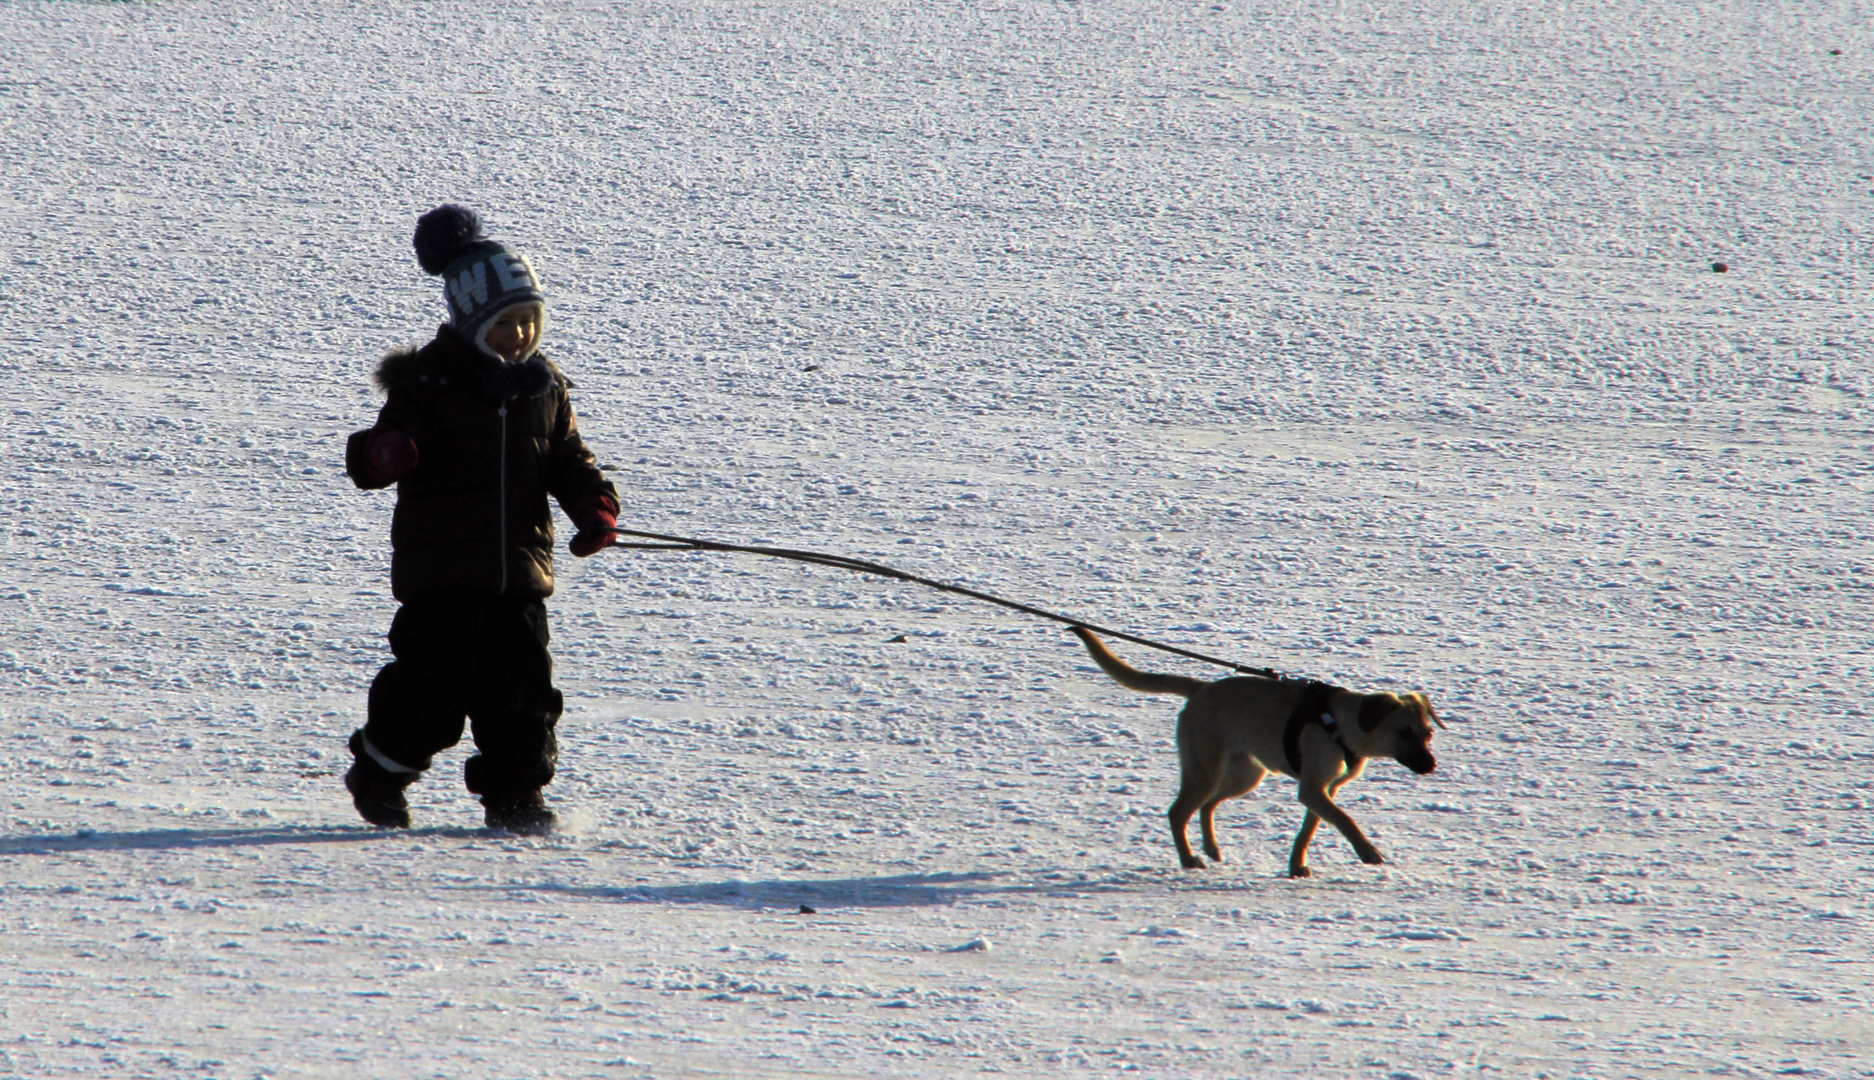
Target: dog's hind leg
{"type": "Point", "coordinates": [1186, 804]}
{"type": "Point", "coordinates": [1240, 777]}
{"type": "Point", "coordinates": [1197, 783]}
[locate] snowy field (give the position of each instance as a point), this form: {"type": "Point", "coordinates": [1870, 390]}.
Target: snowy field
{"type": "Point", "coordinates": [1379, 343]}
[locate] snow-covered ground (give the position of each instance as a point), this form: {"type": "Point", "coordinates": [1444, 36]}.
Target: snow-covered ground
{"type": "Point", "coordinates": [1374, 342]}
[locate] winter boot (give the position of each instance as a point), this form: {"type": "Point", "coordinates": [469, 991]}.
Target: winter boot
{"type": "Point", "coordinates": [523, 815]}
{"type": "Point", "coordinates": [376, 791]}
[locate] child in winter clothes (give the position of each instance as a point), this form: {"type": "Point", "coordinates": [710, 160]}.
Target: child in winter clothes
{"type": "Point", "coordinates": [477, 430]}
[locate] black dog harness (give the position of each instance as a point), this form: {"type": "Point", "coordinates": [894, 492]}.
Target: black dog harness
{"type": "Point", "coordinates": [1312, 709]}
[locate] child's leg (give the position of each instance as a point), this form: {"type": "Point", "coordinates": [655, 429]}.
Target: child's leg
{"type": "Point", "coordinates": [513, 710]}
{"type": "Point", "coordinates": [419, 699]}
{"type": "Point", "coordinates": [416, 706]}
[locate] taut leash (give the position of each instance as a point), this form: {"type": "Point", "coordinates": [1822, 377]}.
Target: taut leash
{"type": "Point", "coordinates": [686, 543]}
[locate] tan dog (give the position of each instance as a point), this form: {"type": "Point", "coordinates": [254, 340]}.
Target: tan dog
{"type": "Point", "coordinates": [1234, 731]}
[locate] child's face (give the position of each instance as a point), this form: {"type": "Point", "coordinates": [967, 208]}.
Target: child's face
{"type": "Point", "coordinates": [515, 332]}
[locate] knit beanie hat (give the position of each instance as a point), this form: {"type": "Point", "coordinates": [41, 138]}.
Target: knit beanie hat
{"type": "Point", "coordinates": [481, 277]}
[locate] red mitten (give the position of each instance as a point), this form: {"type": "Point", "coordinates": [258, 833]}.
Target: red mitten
{"type": "Point", "coordinates": [597, 518]}
{"type": "Point", "coordinates": [393, 454]}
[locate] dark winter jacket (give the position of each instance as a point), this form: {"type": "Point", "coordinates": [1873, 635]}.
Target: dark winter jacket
{"type": "Point", "coordinates": [493, 441]}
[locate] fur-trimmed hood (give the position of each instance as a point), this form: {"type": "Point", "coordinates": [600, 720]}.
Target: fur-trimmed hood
{"type": "Point", "coordinates": [447, 355]}
{"type": "Point", "coordinates": [399, 367]}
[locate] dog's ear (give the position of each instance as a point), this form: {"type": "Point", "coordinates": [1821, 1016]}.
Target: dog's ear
{"type": "Point", "coordinates": [1425, 706]}
{"type": "Point", "coordinates": [1375, 708]}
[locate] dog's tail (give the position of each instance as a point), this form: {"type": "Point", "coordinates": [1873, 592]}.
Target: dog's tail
{"type": "Point", "coordinates": [1132, 678]}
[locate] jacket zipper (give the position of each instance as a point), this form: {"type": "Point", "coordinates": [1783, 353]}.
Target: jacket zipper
{"type": "Point", "coordinates": [503, 412]}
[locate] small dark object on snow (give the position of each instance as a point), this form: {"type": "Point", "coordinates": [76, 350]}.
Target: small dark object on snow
{"type": "Point", "coordinates": [899, 640]}
{"type": "Point", "coordinates": [805, 910]}
{"type": "Point", "coordinates": [1834, 52]}
{"type": "Point", "coordinates": [1719, 268]}
{"type": "Point", "coordinates": [522, 815]}
{"type": "Point", "coordinates": [811, 367]}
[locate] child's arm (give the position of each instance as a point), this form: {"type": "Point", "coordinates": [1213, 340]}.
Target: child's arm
{"type": "Point", "coordinates": [574, 479]}
{"type": "Point", "coordinates": [384, 453]}
{"type": "Point", "coordinates": [379, 456]}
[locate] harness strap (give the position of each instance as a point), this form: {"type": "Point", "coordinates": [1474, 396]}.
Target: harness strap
{"type": "Point", "coordinates": [1312, 709]}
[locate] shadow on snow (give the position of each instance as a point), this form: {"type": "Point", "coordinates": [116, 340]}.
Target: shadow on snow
{"type": "Point", "coordinates": [184, 839]}
{"type": "Point", "coordinates": [897, 890]}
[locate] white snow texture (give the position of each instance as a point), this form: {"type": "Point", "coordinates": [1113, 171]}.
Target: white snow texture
{"type": "Point", "coordinates": [1374, 342]}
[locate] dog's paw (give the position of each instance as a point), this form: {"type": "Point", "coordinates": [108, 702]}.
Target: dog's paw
{"type": "Point", "coordinates": [1372, 857]}
{"type": "Point", "coordinates": [1300, 871]}
{"type": "Point", "coordinates": [1192, 863]}
{"type": "Point", "coordinates": [1215, 854]}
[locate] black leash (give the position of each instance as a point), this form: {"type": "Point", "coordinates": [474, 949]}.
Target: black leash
{"type": "Point", "coordinates": [685, 543]}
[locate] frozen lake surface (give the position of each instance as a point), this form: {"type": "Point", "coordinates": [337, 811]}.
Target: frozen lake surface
{"type": "Point", "coordinates": [1380, 344]}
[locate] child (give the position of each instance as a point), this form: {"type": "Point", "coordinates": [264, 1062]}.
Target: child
{"type": "Point", "coordinates": [476, 432]}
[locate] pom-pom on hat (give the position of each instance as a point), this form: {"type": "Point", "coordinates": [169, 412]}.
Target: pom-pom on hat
{"type": "Point", "coordinates": [481, 277]}
{"type": "Point", "coordinates": [442, 232]}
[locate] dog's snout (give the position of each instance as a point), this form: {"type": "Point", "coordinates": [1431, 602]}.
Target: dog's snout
{"type": "Point", "coordinates": [1420, 762]}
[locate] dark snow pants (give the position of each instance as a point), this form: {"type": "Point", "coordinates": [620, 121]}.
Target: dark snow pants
{"type": "Point", "coordinates": [480, 657]}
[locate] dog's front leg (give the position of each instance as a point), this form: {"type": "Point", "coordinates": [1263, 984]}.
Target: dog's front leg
{"type": "Point", "coordinates": [1321, 805]}
{"type": "Point", "coordinates": [1298, 855]}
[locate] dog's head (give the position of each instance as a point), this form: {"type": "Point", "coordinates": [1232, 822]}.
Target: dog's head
{"type": "Point", "coordinates": [1403, 725]}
